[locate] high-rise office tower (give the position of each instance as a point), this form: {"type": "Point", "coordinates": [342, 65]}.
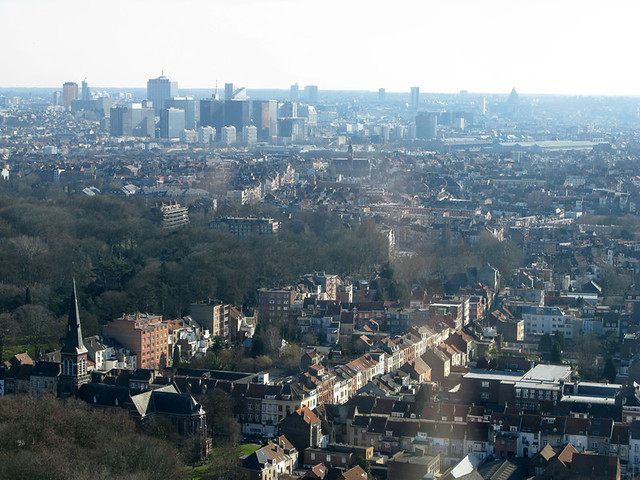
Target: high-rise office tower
{"type": "Point", "coordinates": [415, 97]}
{"type": "Point", "coordinates": [236, 114]}
{"type": "Point", "coordinates": [292, 129]}
{"type": "Point", "coordinates": [311, 94]}
{"type": "Point", "coordinates": [56, 98]}
{"type": "Point", "coordinates": [69, 93]}
{"type": "Point", "coordinates": [171, 122]}
{"type": "Point", "coordinates": [381, 94]}
{"type": "Point", "coordinates": [228, 91]}
{"type": "Point", "coordinates": [288, 110]}
{"type": "Point", "coordinates": [294, 92]}
{"type": "Point", "coordinates": [188, 104]}
{"type": "Point", "coordinates": [159, 90]}
{"type": "Point", "coordinates": [265, 118]}
{"type": "Point", "coordinates": [212, 114]}
{"type": "Point", "coordinates": [132, 120]}
{"type": "Point", "coordinates": [86, 93]}
{"type": "Point", "coordinates": [427, 125]}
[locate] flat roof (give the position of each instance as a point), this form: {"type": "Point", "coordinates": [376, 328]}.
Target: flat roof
{"type": "Point", "coordinates": [548, 373]}
{"type": "Point", "coordinates": [584, 399]}
{"type": "Point", "coordinates": [538, 385]}
{"type": "Point", "coordinates": [493, 375]}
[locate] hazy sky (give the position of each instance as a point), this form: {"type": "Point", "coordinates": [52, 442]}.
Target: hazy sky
{"type": "Point", "coordinates": [536, 46]}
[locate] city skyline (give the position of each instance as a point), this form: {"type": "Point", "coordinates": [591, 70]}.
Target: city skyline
{"type": "Point", "coordinates": [547, 48]}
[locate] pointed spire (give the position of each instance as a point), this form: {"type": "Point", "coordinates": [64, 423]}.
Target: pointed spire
{"type": "Point", "coordinates": [73, 343]}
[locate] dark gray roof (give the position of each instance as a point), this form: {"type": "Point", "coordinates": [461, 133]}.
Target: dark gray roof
{"type": "Point", "coordinates": [46, 369]}
{"type": "Point", "coordinates": [73, 343]}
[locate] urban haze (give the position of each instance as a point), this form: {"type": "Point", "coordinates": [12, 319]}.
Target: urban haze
{"type": "Point", "coordinates": [301, 240]}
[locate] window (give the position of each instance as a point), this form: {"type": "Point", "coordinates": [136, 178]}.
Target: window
{"type": "Point", "coordinates": [594, 444]}
{"type": "Point", "coordinates": [485, 384]}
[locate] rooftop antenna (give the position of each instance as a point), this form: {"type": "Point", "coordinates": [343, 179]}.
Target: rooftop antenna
{"type": "Point", "coordinates": [216, 88]}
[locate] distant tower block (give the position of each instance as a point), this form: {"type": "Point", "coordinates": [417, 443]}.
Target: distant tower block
{"type": "Point", "coordinates": [382, 93]}
{"type": "Point", "coordinates": [311, 94]}
{"type": "Point", "coordinates": [415, 97]}
{"type": "Point", "coordinates": [228, 91]}
{"type": "Point", "coordinates": [427, 125]}
{"type": "Point", "coordinates": [86, 92]}
{"type": "Point", "coordinates": [160, 89]}
{"type": "Point", "coordinates": [69, 93]}
{"type": "Point", "coordinates": [294, 92]}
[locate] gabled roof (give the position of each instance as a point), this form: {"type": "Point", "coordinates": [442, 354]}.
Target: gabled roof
{"type": "Point", "coordinates": [595, 466]}
{"type": "Point", "coordinates": [566, 455]}
{"type": "Point", "coordinates": [355, 473]}
{"type": "Point", "coordinates": [620, 434]}
{"type": "Point", "coordinates": [547, 452]}
{"type": "Point", "coordinates": [46, 369]}
{"type": "Point", "coordinates": [601, 427]}
{"type": "Point", "coordinates": [577, 426]}
{"type": "Point", "coordinates": [307, 415]}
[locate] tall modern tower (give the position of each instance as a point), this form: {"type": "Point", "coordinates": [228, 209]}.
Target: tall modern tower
{"type": "Point", "coordinates": [294, 92]}
{"type": "Point", "coordinates": [381, 94]}
{"type": "Point", "coordinates": [172, 122]}
{"type": "Point", "coordinates": [311, 94]}
{"type": "Point", "coordinates": [160, 89]}
{"type": "Point", "coordinates": [86, 93]}
{"type": "Point", "coordinates": [212, 114]}
{"type": "Point", "coordinates": [415, 97]}
{"type": "Point", "coordinates": [73, 355]}
{"type": "Point", "coordinates": [69, 93]}
{"type": "Point", "coordinates": [427, 125]}
{"type": "Point", "coordinates": [236, 114]}
{"type": "Point", "coordinates": [228, 91]}
{"type": "Point", "coordinates": [265, 118]}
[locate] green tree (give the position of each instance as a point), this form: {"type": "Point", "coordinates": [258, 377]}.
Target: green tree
{"type": "Point", "coordinates": [556, 353]}
{"type": "Point", "coordinates": [365, 465]}
{"type": "Point", "coordinates": [610, 371]}
{"type": "Point", "coordinates": [176, 357]}
{"type": "Point", "coordinates": [559, 338]}
{"type": "Point", "coordinates": [257, 346]}
{"type": "Point", "coordinates": [546, 343]}
{"type": "Point", "coordinates": [424, 394]}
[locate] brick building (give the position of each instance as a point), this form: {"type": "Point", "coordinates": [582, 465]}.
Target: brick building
{"type": "Point", "coordinates": [145, 334]}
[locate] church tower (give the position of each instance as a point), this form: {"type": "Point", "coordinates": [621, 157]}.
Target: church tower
{"type": "Point", "coordinates": [73, 355]}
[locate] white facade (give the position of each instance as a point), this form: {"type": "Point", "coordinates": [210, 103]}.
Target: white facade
{"type": "Point", "coordinates": [547, 320]}
{"type": "Point", "coordinates": [229, 136]}
{"type": "Point", "coordinates": [249, 135]}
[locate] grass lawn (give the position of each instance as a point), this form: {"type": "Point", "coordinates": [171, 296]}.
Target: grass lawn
{"type": "Point", "coordinates": [205, 471]}
{"type": "Point", "coordinates": [9, 351]}
{"type": "Point", "coordinates": [248, 448]}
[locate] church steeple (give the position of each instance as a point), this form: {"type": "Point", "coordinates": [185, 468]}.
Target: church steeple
{"type": "Point", "coordinates": [74, 344]}
{"type": "Point", "coordinates": [73, 355]}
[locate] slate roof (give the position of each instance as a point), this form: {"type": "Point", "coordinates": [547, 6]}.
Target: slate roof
{"type": "Point", "coordinates": [46, 369]}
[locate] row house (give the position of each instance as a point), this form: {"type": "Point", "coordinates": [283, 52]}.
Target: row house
{"type": "Point", "coordinates": [394, 355]}
{"type": "Point", "coordinates": [524, 435]}
{"type": "Point", "coordinates": [261, 407]}
{"type": "Point", "coordinates": [276, 458]}
{"type": "Point", "coordinates": [439, 363]}
{"type": "Point", "coordinates": [336, 456]}
{"type": "Point", "coordinates": [322, 381]}
{"type": "Point", "coordinates": [390, 435]}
